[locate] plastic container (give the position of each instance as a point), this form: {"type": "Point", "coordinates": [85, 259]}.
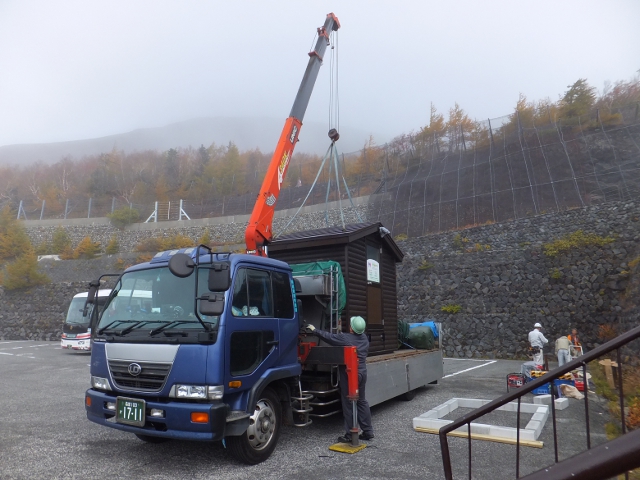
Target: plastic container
{"type": "Point", "coordinates": [546, 388]}
{"type": "Point", "coordinates": [515, 380]}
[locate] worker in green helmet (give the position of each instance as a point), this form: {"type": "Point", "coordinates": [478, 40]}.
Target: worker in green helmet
{"type": "Point", "coordinates": [358, 339]}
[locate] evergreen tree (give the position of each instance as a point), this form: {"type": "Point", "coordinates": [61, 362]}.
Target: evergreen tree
{"type": "Point", "coordinates": [61, 241]}
{"type": "Point", "coordinates": [578, 100]}
{"type": "Point", "coordinates": [112, 247]}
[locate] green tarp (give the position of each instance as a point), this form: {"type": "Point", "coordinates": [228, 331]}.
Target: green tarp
{"type": "Point", "coordinates": [421, 338]}
{"type": "Point", "coordinates": [324, 268]}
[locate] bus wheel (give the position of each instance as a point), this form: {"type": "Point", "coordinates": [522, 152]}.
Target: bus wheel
{"type": "Point", "coordinates": [260, 439]}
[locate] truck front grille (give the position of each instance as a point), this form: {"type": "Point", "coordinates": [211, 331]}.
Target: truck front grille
{"type": "Point", "coordinates": [151, 378]}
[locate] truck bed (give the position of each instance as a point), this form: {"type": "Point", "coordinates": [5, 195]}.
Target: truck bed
{"type": "Point", "coordinates": [396, 373]}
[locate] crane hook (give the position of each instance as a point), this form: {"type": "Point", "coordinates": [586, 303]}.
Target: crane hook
{"type": "Point", "coordinates": [334, 135]}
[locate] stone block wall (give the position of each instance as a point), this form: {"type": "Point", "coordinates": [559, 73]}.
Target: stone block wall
{"type": "Point", "coordinates": [503, 281]}
{"type": "Point", "coordinates": [497, 274]}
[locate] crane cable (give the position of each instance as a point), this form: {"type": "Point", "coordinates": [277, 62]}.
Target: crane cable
{"type": "Point", "coordinates": [334, 99]}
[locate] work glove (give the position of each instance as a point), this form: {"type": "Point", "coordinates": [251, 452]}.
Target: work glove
{"type": "Point", "coordinates": [309, 328]}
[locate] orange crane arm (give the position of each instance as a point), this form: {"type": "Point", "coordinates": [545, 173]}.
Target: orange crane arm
{"type": "Point", "coordinates": [259, 230]}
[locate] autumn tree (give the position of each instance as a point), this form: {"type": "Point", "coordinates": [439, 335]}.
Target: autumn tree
{"type": "Point", "coordinates": [205, 239]}
{"type": "Point", "coordinates": [23, 272]}
{"type": "Point", "coordinates": [17, 255]}
{"type": "Point", "coordinates": [430, 134]}
{"type": "Point", "coordinates": [620, 94]}
{"type": "Point", "coordinates": [228, 177]}
{"type": "Point", "coordinates": [86, 249]}
{"type": "Point", "coordinates": [13, 236]}
{"type": "Point", "coordinates": [459, 128]}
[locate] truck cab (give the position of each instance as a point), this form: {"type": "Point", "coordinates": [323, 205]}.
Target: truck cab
{"type": "Point", "coordinates": [209, 354]}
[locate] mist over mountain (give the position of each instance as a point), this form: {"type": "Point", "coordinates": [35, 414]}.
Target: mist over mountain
{"type": "Point", "coordinates": [246, 133]}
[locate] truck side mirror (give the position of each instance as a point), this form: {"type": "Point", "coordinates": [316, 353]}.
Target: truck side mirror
{"type": "Point", "coordinates": [211, 305]}
{"type": "Point", "coordinates": [300, 314]}
{"type": "Point", "coordinates": [297, 285]}
{"type": "Point", "coordinates": [219, 277]}
{"type": "Point", "coordinates": [181, 265]}
{"type": "Point", "coordinates": [94, 285]}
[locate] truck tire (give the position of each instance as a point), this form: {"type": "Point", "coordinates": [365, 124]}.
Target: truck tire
{"type": "Point", "coordinates": [408, 396]}
{"type": "Point", "coordinates": [260, 439]}
{"type": "Point", "coordinates": [151, 438]}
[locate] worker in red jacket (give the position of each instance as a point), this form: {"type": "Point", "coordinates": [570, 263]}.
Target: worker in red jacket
{"type": "Point", "coordinates": [358, 339]}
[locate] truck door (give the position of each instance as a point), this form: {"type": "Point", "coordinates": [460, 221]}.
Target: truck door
{"type": "Point", "coordinates": [252, 333]}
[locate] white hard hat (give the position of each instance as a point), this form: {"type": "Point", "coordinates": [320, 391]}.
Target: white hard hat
{"type": "Point", "coordinates": [537, 325]}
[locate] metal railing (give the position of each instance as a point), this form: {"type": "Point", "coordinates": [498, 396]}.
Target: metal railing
{"type": "Point", "coordinates": [600, 459]}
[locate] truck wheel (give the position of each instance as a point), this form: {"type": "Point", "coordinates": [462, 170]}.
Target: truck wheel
{"type": "Point", "coordinates": [260, 439]}
{"type": "Point", "coordinates": [151, 439]}
{"type": "Point", "coordinates": [408, 396]}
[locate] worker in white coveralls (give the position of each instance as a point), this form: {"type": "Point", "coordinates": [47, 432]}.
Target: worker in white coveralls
{"type": "Point", "coordinates": [537, 342]}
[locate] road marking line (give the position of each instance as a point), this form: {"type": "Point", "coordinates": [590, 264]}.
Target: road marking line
{"type": "Point", "coordinates": [16, 348]}
{"type": "Point", "coordinates": [466, 359]}
{"type": "Point", "coordinates": [5, 353]}
{"type": "Point", "coordinates": [472, 368]}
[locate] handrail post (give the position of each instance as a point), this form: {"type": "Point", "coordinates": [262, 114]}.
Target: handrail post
{"type": "Point", "coordinates": [585, 389]}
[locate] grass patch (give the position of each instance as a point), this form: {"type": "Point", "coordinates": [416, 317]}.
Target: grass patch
{"type": "Point", "coordinates": [451, 308]}
{"type": "Point", "coordinates": [573, 241]}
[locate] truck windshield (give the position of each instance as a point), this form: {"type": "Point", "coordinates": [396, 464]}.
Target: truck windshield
{"type": "Point", "coordinates": [149, 299]}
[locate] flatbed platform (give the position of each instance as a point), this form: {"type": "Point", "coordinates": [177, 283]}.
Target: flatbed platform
{"type": "Point", "coordinates": [393, 374]}
{"type": "Point", "coordinates": [398, 354]}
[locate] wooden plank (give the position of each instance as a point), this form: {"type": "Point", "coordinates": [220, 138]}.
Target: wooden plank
{"type": "Point", "coordinates": [608, 371]}
{"type": "Point", "coordinates": [480, 436]}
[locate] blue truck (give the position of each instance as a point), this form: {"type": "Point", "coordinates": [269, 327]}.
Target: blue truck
{"type": "Point", "coordinates": [214, 351]}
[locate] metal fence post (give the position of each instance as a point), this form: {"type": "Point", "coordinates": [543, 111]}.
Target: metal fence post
{"type": "Point", "coordinates": [42, 210]}
{"type": "Point", "coordinates": [89, 210]}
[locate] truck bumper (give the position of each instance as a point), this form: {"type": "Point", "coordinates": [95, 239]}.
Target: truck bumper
{"type": "Point", "coordinates": [175, 424]}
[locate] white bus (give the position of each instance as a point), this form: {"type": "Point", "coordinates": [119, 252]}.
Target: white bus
{"type": "Point", "coordinates": [76, 330]}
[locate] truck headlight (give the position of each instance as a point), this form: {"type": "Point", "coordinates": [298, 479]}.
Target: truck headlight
{"type": "Point", "coordinates": [100, 383]}
{"type": "Point", "coordinates": [191, 391]}
{"type": "Point", "coordinates": [197, 392]}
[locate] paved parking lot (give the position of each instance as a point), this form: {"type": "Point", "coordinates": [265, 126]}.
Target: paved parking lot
{"type": "Point", "coordinates": [45, 433]}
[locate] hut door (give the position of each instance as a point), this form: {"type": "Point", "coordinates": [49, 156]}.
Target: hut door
{"type": "Point", "coordinates": [374, 304]}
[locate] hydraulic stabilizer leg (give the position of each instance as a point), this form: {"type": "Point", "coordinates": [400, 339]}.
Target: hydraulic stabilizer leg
{"type": "Point", "coordinates": [355, 439]}
{"type": "Point", "coordinates": [351, 362]}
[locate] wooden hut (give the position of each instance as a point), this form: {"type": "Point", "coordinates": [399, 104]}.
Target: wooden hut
{"type": "Point", "coordinates": [367, 255]}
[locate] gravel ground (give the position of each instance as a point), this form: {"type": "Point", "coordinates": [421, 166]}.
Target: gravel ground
{"type": "Point", "coordinates": [45, 432]}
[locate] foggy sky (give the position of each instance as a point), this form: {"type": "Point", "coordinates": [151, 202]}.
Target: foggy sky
{"type": "Point", "coordinates": [71, 70]}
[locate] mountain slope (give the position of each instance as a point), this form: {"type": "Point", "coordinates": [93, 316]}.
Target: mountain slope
{"type": "Point", "coordinates": [247, 134]}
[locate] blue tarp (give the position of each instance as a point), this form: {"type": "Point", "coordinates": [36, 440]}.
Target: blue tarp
{"type": "Point", "coordinates": [430, 324]}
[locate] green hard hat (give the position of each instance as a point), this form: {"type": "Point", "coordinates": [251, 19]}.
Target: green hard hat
{"type": "Point", "coordinates": [358, 325]}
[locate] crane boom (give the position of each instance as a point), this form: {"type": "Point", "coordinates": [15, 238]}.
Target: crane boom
{"type": "Point", "coordinates": [259, 230]}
